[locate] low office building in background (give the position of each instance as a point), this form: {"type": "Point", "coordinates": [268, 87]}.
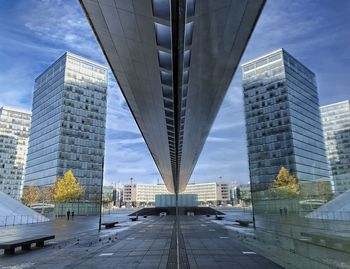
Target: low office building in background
{"type": "Point", "coordinates": [211, 194]}
{"type": "Point", "coordinates": [336, 127]}
{"type": "Point", "coordinates": [68, 125]}
{"type": "Point", "coordinates": [136, 195]}
{"type": "Point", "coordinates": [14, 133]}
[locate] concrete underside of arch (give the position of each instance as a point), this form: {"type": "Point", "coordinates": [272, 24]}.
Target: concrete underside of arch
{"type": "Point", "coordinates": [215, 34]}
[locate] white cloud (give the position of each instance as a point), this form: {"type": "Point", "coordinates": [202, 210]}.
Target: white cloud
{"type": "Point", "coordinates": [129, 160]}
{"type": "Point", "coordinates": [16, 86]}
{"type": "Point", "coordinates": [234, 94]}
{"type": "Point", "coordinates": [119, 117]}
{"type": "Point", "coordinates": [127, 141]}
{"type": "Point", "coordinates": [218, 139]}
{"type": "Point", "coordinates": [62, 24]}
{"type": "Point", "coordinates": [228, 125]}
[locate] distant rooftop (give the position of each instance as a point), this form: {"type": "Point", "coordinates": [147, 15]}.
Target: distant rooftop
{"type": "Point", "coordinates": [262, 57]}
{"type": "Point", "coordinates": [84, 59]}
{"type": "Point", "coordinates": [68, 53]}
{"type": "Point", "coordinates": [336, 104]}
{"type": "Point", "coordinates": [15, 109]}
{"type": "Point", "coordinates": [283, 51]}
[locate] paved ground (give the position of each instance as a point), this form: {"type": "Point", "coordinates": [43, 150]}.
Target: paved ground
{"type": "Point", "coordinates": [142, 244]}
{"type": "Point", "coordinates": [210, 245]}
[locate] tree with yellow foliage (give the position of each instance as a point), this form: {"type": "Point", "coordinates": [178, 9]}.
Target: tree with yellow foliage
{"type": "Point", "coordinates": [31, 195]}
{"type": "Point", "coordinates": [67, 189]}
{"type": "Point", "coordinates": [285, 182]}
{"type": "Point", "coordinates": [47, 194]}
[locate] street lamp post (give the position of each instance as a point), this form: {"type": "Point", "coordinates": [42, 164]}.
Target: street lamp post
{"type": "Point", "coordinates": [100, 218]}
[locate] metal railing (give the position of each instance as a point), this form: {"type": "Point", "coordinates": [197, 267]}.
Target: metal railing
{"type": "Point", "coordinates": [21, 220]}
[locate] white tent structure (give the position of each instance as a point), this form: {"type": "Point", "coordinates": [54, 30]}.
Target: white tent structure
{"type": "Point", "coordinates": [336, 209]}
{"type": "Point", "coordinates": [13, 212]}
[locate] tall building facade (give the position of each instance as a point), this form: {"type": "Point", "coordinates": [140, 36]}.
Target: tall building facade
{"type": "Point", "coordinates": [208, 193]}
{"type": "Point", "coordinates": [283, 122]}
{"type": "Point", "coordinates": [336, 127]}
{"type": "Point", "coordinates": [68, 124]}
{"type": "Point", "coordinates": [14, 133]}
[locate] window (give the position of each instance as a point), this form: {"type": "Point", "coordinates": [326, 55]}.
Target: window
{"type": "Point", "coordinates": [188, 33]}
{"type": "Point", "coordinates": [163, 35]}
{"type": "Point", "coordinates": [185, 77]}
{"type": "Point", "coordinates": [161, 9]}
{"type": "Point", "coordinates": [248, 67]}
{"type": "Point", "coordinates": [169, 121]}
{"type": "Point", "coordinates": [166, 78]}
{"type": "Point", "coordinates": [190, 8]}
{"type": "Point", "coordinates": [164, 60]}
{"type": "Point", "coordinates": [167, 93]}
{"type": "Point", "coordinates": [261, 62]}
{"type": "Point", "coordinates": [169, 114]}
{"type": "Point", "coordinates": [187, 57]}
{"type": "Point", "coordinates": [168, 104]}
{"type": "Point", "coordinates": [184, 92]}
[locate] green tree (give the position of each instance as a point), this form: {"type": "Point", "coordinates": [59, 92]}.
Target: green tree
{"type": "Point", "coordinates": [31, 195]}
{"type": "Point", "coordinates": [67, 189]}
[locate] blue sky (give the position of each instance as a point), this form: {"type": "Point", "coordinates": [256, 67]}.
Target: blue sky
{"type": "Point", "coordinates": [33, 34]}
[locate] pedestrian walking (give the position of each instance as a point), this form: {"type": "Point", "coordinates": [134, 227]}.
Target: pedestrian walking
{"type": "Point", "coordinates": [68, 214]}
{"type": "Point", "coordinates": [72, 214]}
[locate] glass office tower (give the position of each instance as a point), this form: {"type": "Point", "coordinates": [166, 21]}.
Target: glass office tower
{"type": "Point", "coordinates": [68, 124]}
{"type": "Point", "coordinates": [283, 121]}
{"type": "Point", "coordinates": [14, 133]}
{"type": "Point", "coordinates": [295, 212]}
{"type": "Point", "coordinates": [336, 126]}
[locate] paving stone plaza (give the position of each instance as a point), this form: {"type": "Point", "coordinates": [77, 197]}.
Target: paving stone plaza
{"type": "Point", "coordinates": [146, 243]}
